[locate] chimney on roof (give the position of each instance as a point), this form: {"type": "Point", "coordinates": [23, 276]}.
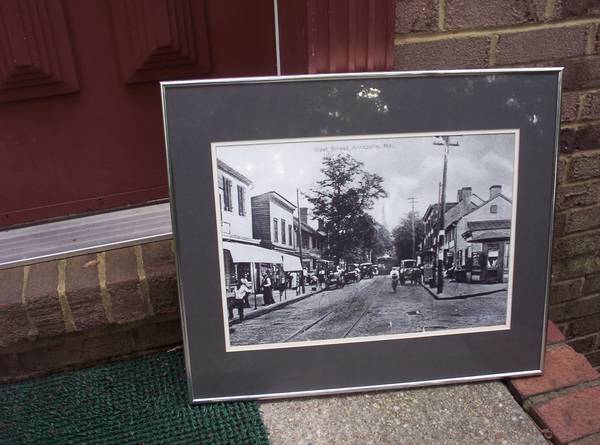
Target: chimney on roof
{"type": "Point", "coordinates": [465, 197]}
{"type": "Point", "coordinates": [304, 215]}
{"type": "Point", "coordinates": [495, 190]}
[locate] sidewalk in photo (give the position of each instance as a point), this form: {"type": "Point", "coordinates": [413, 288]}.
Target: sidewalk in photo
{"type": "Point", "coordinates": [457, 291]}
{"type": "Point", "coordinates": [286, 299]}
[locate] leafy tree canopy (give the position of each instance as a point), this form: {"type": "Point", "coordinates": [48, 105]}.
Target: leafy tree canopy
{"type": "Point", "coordinates": [341, 199]}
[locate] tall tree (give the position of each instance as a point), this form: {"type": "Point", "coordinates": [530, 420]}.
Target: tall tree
{"type": "Point", "coordinates": [402, 235]}
{"type": "Point", "coordinates": [341, 199]}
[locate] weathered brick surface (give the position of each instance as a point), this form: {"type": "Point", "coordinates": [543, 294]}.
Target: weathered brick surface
{"type": "Point", "coordinates": [582, 138]}
{"type": "Point", "coordinates": [585, 166]}
{"type": "Point", "coordinates": [576, 8]}
{"type": "Point", "coordinates": [571, 416]}
{"type": "Point", "coordinates": [591, 284]}
{"type": "Point", "coordinates": [83, 292]}
{"type": "Point", "coordinates": [158, 335]}
{"type": "Point", "coordinates": [580, 73]}
{"type": "Point", "coordinates": [416, 16]}
{"type": "Point", "coordinates": [553, 334]}
{"type": "Point", "coordinates": [575, 245]}
{"type": "Point", "coordinates": [9, 365]}
{"type": "Point", "coordinates": [591, 106]}
{"type": "Point", "coordinates": [123, 284]}
{"type": "Point", "coordinates": [575, 267]}
{"type": "Point", "coordinates": [575, 309]}
{"type": "Point", "coordinates": [533, 45]}
{"type": "Point", "coordinates": [583, 344]}
{"type": "Point", "coordinates": [563, 367]}
{"type": "Point", "coordinates": [14, 325]}
{"type": "Point", "coordinates": [159, 264]}
{"type": "Point", "coordinates": [565, 291]}
{"type": "Point", "coordinates": [562, 168]}
{"type": "Point", "coordinates": [109, 345]}
{"type": "Point", "coordinates": [584, 326]}
{"type": "Point", "coordinates": [471, 52]}
{"type": "Point", "coordinates": [593, 358]}
{"type": "Point", "coordinates": [581, 194]}
{"type": "Point", "coordinates": [52, 357]}
{"type": "Point", "coordinates": [569, 106]}
{"type": "Point", "coordinates": [41, 299]}
{"type": "Point", "coordinates": [583, 219]}
{"type": "Point", "coordinates": [478, 14]}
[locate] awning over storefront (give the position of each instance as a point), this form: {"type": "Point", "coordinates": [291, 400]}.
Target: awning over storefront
{"type": "Point", "coordinates": [490, 235]}
{"type": "Point", "coordinates": [246, 253]}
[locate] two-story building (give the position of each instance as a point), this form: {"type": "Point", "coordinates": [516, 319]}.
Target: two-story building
{"type": "Point", "coordinates": [273, 225]}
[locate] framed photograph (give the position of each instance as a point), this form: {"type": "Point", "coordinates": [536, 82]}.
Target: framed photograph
{"type": "Point", "coordinates": [339, 233]}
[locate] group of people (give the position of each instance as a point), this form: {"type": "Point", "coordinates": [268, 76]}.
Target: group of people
{"type": "Point", "coordinates": [243, 289]}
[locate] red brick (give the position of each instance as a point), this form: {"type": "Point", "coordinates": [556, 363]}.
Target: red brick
{"type": "Point", "coordinates": [583, 344]}
{"type": "Point", "coordinates": [591, 284]}
{"type": "Point", "coordinates": [476, 14]}
{"type": "Point", "coordinates": [576, 245]}
{"type": "Point", "coordinates": [584, 326]}
{"type": "Point", "coordinates": [52, 357]}
{"type": "Point", "coordinates": [575, 267]}
{"type": "Point", "coordinates": [566, 290]}
{"type": "Point", "coordinates": [123, 284]}
{"type": "Point", "coordinates": [576, 8]}
{"type": "Point", "coordinates": [561, 169]}
{"type": "Point", "coordinates": [109, 345]}
{"type": "Point", "coordinates": [83, 292]}
{"type": "Point", "coordinates": [581, 138]}
{"type": "Point", "coordinates": [591, 106]}
{"type": "Point", "coordinates": [553, 334]}
{"type": "Point", "coordinates": [533, 45]}
{"type": "Point", "coordinates": [575, 195]}
{"type": "Point", "coordinates": [568, 111]}
{"type": "Point", "coordinates": [472, 52]}
{"type": "Point", "coordinates": [41, 299]}
{"type": "Point", "coordinates": [158, 335]}
{"type": "Point", "coordinates": [159, 264]}
{"type": "Point", "coordinates": [571, 416]}
{"type": "Point", "coordinates": [416, 16]}
{"type": "Point", "coordinates": [579, 73]}
{"type": "Point", "coordinates": [583, 219]}
{"type": "Point", "coordinates": [14, 325]}
{"type": "Point", "coordinates": [575, 309]}
{"type": "Point", "coordinates": [560, 221]}
{"type": "Point", "coordinates": [12, 286]}
{"type": "Point", "coordinates": [585, 166]}
{"type": "Point", "coordinates": [563, 367]}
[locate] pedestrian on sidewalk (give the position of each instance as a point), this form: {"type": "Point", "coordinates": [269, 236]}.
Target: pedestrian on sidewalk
{"type": "Point", "coordinates": [246, 282]}
{"type": "Point", "coordinates": [267, 285]}
{"type": "Point", "coordinates": [240, 292]}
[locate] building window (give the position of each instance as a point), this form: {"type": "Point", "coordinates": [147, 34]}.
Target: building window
{"type": "Point", "coordinates": [283, 231]}
{"type": "Point", "coordinates": [494, 208]}
{"type": "Point", "coordinates": [241, 192]}
{"type": "Point", "coordinates": [290, 236]}
{"type": "Point", "coordinates": [275, 231]}
{"type": "Point", "coordinates": [227, 201]}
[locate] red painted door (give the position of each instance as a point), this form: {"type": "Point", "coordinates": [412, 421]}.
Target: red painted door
{"type": "Point", "coordinates": [80, 114]}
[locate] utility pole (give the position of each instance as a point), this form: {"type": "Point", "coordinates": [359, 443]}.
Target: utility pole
{"type": "Point", "coordinates": [412, 221]}
{"type": "Point", "coordinates": [446, 144]}
{"type": "Point", "coordinates": [300, 240]}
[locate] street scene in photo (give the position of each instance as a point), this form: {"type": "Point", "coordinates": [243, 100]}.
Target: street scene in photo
{"type": "Point", "coordinates": [354, 238]}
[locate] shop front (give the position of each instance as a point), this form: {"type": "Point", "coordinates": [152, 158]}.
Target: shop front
{"type": "Point", "coordinates": [489, 251]}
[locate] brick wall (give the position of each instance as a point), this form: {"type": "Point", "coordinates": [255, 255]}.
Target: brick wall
{"type": "Point", "coordinates": [444, 34]}
{"type": "Point", "coordinates": [87, 309]}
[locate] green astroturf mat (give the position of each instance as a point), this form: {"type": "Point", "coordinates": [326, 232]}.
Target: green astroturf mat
{"type": "Point", "coordinates": [140, 401]}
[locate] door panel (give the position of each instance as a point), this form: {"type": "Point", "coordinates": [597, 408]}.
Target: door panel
{"type": "Point", "coordinates": [80, 119]}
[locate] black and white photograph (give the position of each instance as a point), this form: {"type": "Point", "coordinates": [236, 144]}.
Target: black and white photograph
{"type": "Point", "coordinates": [346, 239]}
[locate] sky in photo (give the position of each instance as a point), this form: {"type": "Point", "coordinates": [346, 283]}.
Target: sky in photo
{"type": "Point", "coordinates": [410, 167]}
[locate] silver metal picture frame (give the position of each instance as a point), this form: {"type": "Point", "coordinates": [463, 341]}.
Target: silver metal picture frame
{"type": "Point", "coordinates": [293, 200]}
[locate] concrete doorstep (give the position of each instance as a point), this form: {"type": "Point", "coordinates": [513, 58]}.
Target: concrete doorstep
{"type": "Point", "coordinates": [563, 406]}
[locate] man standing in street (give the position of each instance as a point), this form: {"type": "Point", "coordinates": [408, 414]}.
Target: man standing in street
{"type": "Point", "coordinates": [267, 285]}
